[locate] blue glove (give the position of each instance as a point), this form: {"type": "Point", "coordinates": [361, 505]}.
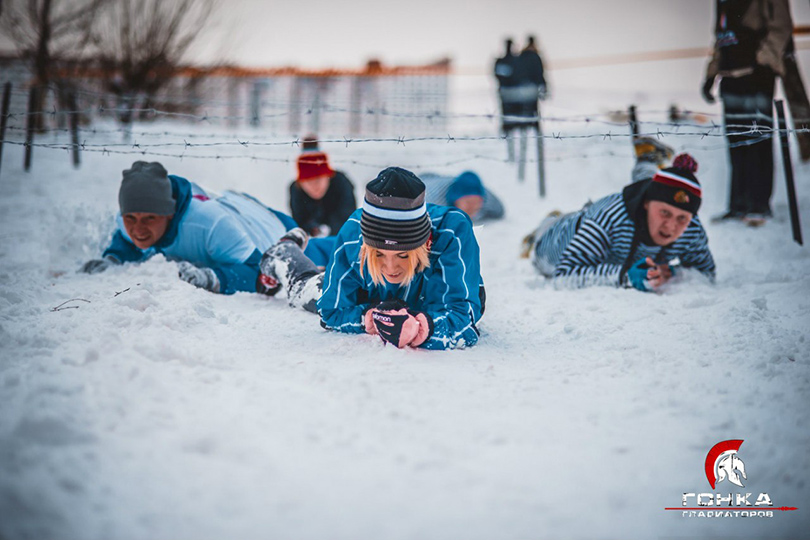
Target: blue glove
{"type": "Point", "coordinates": [637, 275]}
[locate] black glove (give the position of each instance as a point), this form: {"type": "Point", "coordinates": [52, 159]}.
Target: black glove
{"type": "Point", "coordinates": [708, 84]}
{"type": "Point", "coordinates": [204, 278]}
{"type": "Point", "coordinates": [389, 325]}
{"type": "Point", "coordinates": [98, 265]}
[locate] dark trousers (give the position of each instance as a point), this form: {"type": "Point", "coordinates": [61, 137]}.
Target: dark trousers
{"type": "Point", "coordinates": [748, 104]}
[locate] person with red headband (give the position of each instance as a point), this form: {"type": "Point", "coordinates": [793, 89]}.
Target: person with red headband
{"type": "Point", "coordinates": [637, 238]}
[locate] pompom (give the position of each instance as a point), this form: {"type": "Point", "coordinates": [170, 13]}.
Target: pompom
{"type": "Point", "coordinates": [685, 161]}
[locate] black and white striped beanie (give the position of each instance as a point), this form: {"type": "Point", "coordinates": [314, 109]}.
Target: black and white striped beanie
{"type": "Point", "coordinates": [394, 213]}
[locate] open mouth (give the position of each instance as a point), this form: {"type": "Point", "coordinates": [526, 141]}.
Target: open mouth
{"type": "Point", "coordinates": [393, 277]}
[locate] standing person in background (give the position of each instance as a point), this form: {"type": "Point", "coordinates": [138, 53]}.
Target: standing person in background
{"type": "Point", "coordinates": [466, 192]}
{"type": "Point", "coordinates": [751, 39]}
{"type": "Point", "coordinates": [531, 73]}
{"type": "Point", "coordinates": [506, 74]}
{"type": "Point", "coordinates": [321, 199]}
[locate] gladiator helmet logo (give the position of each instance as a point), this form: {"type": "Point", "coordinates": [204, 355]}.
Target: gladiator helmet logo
{"type": "Point", "coordinates": [681, 197]}
{"type": "Point", "coordinates": [722, 463]}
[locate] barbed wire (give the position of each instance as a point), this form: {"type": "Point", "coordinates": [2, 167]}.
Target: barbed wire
{"type": "Point", "coordinates": [369, 111]}
{"type": "Point", "coordinates": [307, 104]}
{"type": "Point", "coordinates": [136, 149]}
{"type": "Point", "coordinates": [753, 132]}
{"type": "Point", "coordinates": [420, 166]}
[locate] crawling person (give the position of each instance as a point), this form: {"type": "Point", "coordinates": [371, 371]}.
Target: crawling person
{"type": "Point", "coordinates": [403, 269]}
{"type": "Point", "coordinates": [638, 238]}
{"type": "Point", "coordinates": [218, 239]}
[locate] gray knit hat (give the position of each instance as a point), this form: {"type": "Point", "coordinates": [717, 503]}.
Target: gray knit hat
{"type": "Point", "coordinates": [146, 188]}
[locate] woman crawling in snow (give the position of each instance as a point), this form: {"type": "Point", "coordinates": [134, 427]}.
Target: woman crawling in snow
{"type": "Point", "coordinates": [402, 269]}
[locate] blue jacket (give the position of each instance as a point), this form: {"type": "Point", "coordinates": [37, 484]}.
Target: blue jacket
{"type": "Point", "coordinates": [227, 233]}
{"type": "Point", "coordinates": [450, 291]}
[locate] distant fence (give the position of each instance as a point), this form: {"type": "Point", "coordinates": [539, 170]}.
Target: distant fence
{"type": "Point", "coordinates": [291, 101]}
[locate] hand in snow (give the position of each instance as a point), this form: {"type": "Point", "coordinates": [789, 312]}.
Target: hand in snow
{"type": "Point", "coordinates": [646, 275]}
{"type": "Point", "coordinates": [98, 265]}
{"type": "Point", "coordinates": [658, 274]}
{"type": "Point", "coordinates": [398, 325]}
{"type": "Point", "coordinates": [204, 278]}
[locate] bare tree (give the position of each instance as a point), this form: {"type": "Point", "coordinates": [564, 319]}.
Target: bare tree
{"type": "Point", "coordinates": [141, 43]}
{"type": "Point", "coordinates": [49, 32]}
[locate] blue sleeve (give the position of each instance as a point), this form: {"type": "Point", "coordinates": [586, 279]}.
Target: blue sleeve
{"type": "Point", "coordinates": [288, 222]}
{"type": "Point", "coordinates": [452, 292]}
{"type": "Point", "coordinates": [239, 277]}
{"type": "Point", "coordinates": [320, 249]}
{"type": "Point", "coordinates": [124, 250]}
{"type": "Point", "coordinates": [339, 305]}
{"type": "Point", "coordinates": [235, 257]}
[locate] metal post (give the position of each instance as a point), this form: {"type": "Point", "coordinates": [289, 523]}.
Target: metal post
{"type": "Point", "coordinates": [522, 156]}
{"type": "Point", "coordinates": [631, 118]}
{"type": "Point", "coordinates": [510, 146]}
{"type": "Point", "coordinates": [541, 162]}
{"type": "Point", "coordinates": [33, 96]}
{"type": "Point", "coordinates": [4, 117]}
{"type": "Point", "coordinates": [73, 117]}
{"type": "Point", "coordinates": [791, 185]}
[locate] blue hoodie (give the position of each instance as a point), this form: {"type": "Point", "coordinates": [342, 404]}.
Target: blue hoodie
{"type": "Point", "coordinates": [227, 233]}
{"type": "Point", "coordinates": [449, 291]}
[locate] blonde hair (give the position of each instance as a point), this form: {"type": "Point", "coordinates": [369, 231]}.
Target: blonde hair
{"type": "Point", "coordinates": [416, 262]}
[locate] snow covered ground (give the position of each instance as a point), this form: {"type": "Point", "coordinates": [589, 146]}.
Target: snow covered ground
{"type": "Point", "coordinates": [135, 406]}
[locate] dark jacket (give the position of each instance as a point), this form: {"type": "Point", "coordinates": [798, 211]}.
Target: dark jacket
{"type": "Point", "coordinates": [750, 33]}
{"type": "Point", "coordinates": [332, 210]}
{"type": "Point", "coordinates": [505, 70]}
{"type": "Point", "coordinates": [530, 68]}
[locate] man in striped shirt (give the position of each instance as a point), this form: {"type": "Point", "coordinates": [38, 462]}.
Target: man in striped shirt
{"type": "Point", "coordinates": [637, 238]}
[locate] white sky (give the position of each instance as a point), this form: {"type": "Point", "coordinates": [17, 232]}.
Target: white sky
{"type": "Point", "coordinates": [347, 33]}
{"type": "Point", "coordinates": [325, 33]}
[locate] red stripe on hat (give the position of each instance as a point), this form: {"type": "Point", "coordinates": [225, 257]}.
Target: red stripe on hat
{"type": "Point", "coordinates": [677, 183]}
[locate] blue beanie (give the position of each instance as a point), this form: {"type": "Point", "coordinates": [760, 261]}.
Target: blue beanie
{"type": "Point", "coordinates": [467, 183]}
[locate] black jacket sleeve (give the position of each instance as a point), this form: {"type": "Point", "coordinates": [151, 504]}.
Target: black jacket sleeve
{"type": "Point", "coordinates": [302, 209]}
{"type": "Point", "coordinates": [341, 201]}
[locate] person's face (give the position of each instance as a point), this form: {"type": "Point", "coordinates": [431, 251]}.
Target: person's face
{"type": "Point", "coordinates": [393, 264]}
{"type": "Point", "coordinates": [666, 222]}
{"type": "Point", "coordinates": [316, 187]}
{"type": "Point", "coordinates": [145, 229]}
{"type": "Point", "coordinates": [470, 204]}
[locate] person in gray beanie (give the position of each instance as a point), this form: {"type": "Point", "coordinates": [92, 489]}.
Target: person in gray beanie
{"type": "Point", "coordinates": [217, 239]}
